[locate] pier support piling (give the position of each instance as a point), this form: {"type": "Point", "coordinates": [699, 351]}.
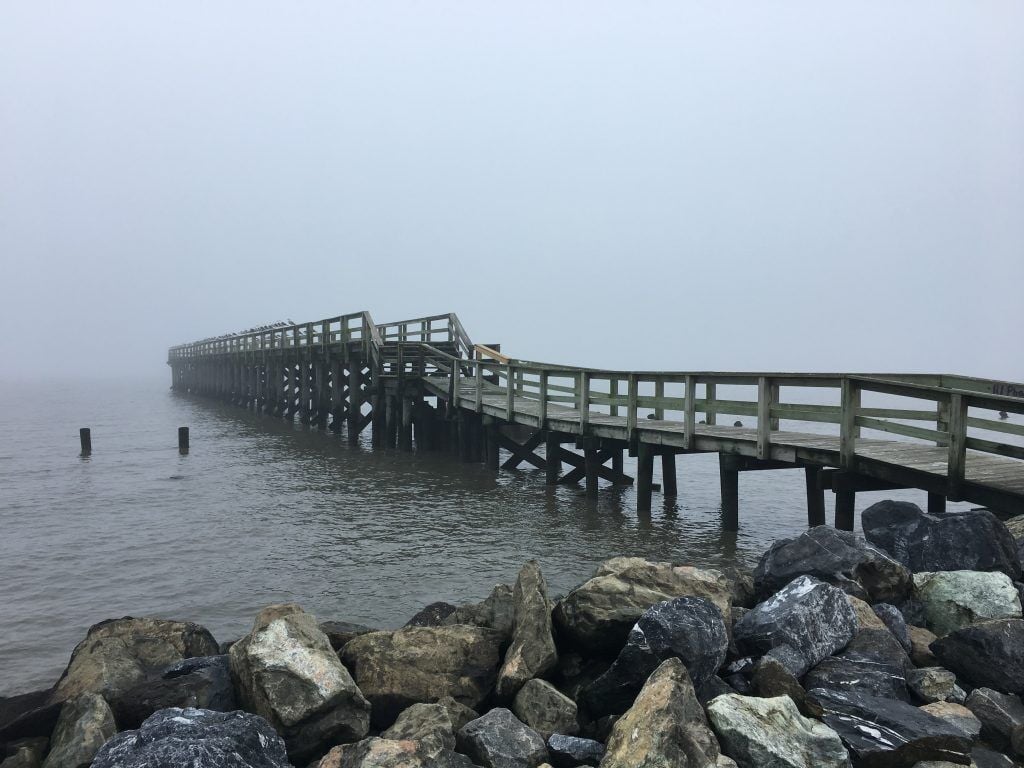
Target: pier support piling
{"type": "Point", "coordinates": [729, 478]}
{"type": "Point", "coordinates": [183, 440]}
{"type": "Point", "coordinates": [845, 501]}
{"type": "Point", "coordinates": [645, 477]}
{"type": "Point", "coordinates": [85, 438]}
{"type": "Point", "coordinates": [815, 497]}
{"type": "Point", "coordinates": [669, 483]}
{"type": "Point", "coordinates": [936, 504]}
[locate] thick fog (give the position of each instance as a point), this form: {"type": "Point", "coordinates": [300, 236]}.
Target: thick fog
{"type": "Point", "coordinates": [669, 185]}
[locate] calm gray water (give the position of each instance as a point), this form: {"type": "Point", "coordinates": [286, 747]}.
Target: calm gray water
{"type": "Point", "coordinates": [262, 511]}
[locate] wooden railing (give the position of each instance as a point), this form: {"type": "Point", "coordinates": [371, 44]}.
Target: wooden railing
{"type": "Point", "coordinates": [429, 330]}
{"type": "Point", "coordinates": [946, 417]}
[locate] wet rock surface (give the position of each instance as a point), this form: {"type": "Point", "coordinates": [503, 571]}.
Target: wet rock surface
{"type": "Point", "coordinates": [953, 600]}
{"type": "Point", "coordinates": [532, 653]}
{"type": "Point", "coordinates": [85, 725]}
{"type": "Point", "coordinates": [568, 751]}
{"type": "Point", "coordinates": [986, 655]}
{"type": "Point", "coordinates": [202, 682]}
{"type": "Point", "coordinates": [500, 740]}
{"type": "Point", "coordinates": [546, 709]}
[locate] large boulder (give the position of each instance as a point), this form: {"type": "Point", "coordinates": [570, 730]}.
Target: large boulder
{"type": "Point", "coordinates": [197, 738]}
{"type": "Point", "coordinates": [986, 655]}
{"type": "Point", "coordinates": [429, 724]}
{"type": "Point", "coordinates": [500, 740]}
{"type": "Point", "coordinates": [286, 671]}
{"type": "Point", "coordinates": [545, 709]}
{"type": "Point", "coordinates": [956, 715]}
{"type": "Point", "coordinates": [689, 628]}
{"type": "Point", "coordinates": [884, 732]}
{"type": "Point", "coordinates": [666, 725]}
{"type": "Point", "coordinates": [812, 618]}
{"type": "Point", "coordinates": [893, 620]}
{"type": "Point", "coordinates": [28, 715]}
{"type": "Point", "coordinates": [771, 733]}
{"type": "Point", "coordinates": [974, 540]}
{"type": "Point", "coordinates": [340, 632]}
{"type": "Point", "coordinates": [202, 682]}
{"type": "Point", "coordinates": [391, 753]}
{"type": "Point", "coordinates": [597, 616]}
{"type": "Point", "coordinates": [85, 725]}
{"type": "Point", "coordinates": [833, 556]}
{"type": "Point", "coordinates": [423, 664]}
{"type": "Point", "coordinates": [571, 751]}
{"type": "Point", "coordinates": [495, 612]}
{"type": "Point", "coordinates": [874, 662]}
{"type": "Point", "coordinates": [956, 599]}
{"type": "Point", "coordinates": [532, 653]}
{"type": "Point", "coordinates": [119, 653]}
{"type": "Point", "coordinates": [1000, 714]}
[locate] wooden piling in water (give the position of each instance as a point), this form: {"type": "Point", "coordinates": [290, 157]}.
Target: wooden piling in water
{"type": "Point", "coordinates": [645, 477]}
{"type": "Point", "coordinates": [845, 501]}
{"type": "Point", "coordinates": [183, 440]}
{"type": "Point", "coordinates": [85, 438]}
{"type": "Point", "coordinates": [815, 497]}
{"type": "Point", "coordinates": [669, 483]}
{"type": "Point", "coordinates": [729, 479]}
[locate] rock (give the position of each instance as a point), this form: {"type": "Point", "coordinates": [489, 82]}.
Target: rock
{"type": "Point", "coordinates": [973, 540]}
{"type": "Point", "coordinates": [570, 751]}
{"type": "Point", "coordinates": [28, 715]}
{"type": "Point", "coordinates": [771, 733]}
{"type": "Point", "coordinates": [666, 725]}
{"type": "Point", "coordinates": [387, 753]}
{"type": "Point", "coordinates": [597, 616]}
{"type": "Point", "coordinates": [429, 724]}
{"type": "Point", "coordinates": [689, 628]}
{"type": "Point", "coordinates": [286, 671]}
{"type": "Point", "coordinates": [23, 757]}
{"type": "Point", "coordinates": [395, 670]}
{"type": "Point", "coordinates": [873, 663]}
{"type": "Point", "coordinates": [921, 641]}
{"type": "Point", "coordinates": [771, 679]}
{"type": "Point", "coordinates": [866, 618]}
{"type": "Point", "coordinates": [458, 713]}
{"type": "Point", "coordinates": [1017, 740]}
{"type": "Point", "coordinates": [986, 655]}
{"type": "Point", "coordinates": [956, 715]}
{"type": "Point", "coordinates": [532, 653]}
{"type": "Point", "coordinates": [545, 709]}
{"type": "Point", "coordinates": [499, 740]}
{"type": "Point", "coordinates": [813, 618]}
{"type": "Point", "coordinates": [986, 758]}
{"type": "Point", "coordinates": [172, 738]}
{"type": "Point", "coordinates": [432, 615]}
{"type": "Point", "coordinates": [119, 653]}
{"type": "Point", "coordinates": [574, 673]}
{"type": "Point", "coordinates": [716, 686]}
{"type": "Point", "coordinates": [999, 713]}
{"type": "Point", "coordinates": [885, 579]}
{"type": "Point", "coordinates": [203, 682]}
{"type": "Point", "coordinates": [823, 552]}
{"type": "Point", "coordinates": [893, 620]}
{"type": "Point", "coordinates": [85, 724]}
{"type": "Point", "coordinates": [931, 684]}
{"type": "Point", "coordinates": [884, 732]}
{"type": "Point", "coordinates": [494, 612]}
{"type": "Point", "coordinates": [956, 599]}
{"type": "Point", "coordinates": [340, 632]}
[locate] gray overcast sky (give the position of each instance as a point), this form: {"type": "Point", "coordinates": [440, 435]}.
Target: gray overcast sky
{"type": "Point", "coordinates": [671, 185]}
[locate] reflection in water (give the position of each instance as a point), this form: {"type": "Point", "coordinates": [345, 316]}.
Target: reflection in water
{"type": "Point", "coordinates": [263, 511]}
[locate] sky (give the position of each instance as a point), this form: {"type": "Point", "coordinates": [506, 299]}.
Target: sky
{"type": "Point", "coordinates": [679, 185]}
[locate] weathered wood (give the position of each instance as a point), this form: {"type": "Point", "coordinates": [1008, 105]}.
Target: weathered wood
{"type": "Point", "coordinates": [85, 439]}
{"type": "Point", "coordinates": [815, 497]}
{"type": "Point", "coordinates": [593, 463]}
{"type": "Point", "coordinates": [845, 501]}
{"type": "Point", "coordinates": [553, 464]}
{"type": "Point", "coordinates": [182, 440]}
{"type": "Point", "coordinates": [957, 445]}
{"type": "Point", "coordinates": [936, 504]}
{"type": "Point", "coordinates": [521, 453]}
{"type": "Point", "coordinates": [645, 477]}
{"type": "Point", "coordinates": [492, 447]}
{"type": "Point", "coordinates": [848, 430]}
{"type": "Point", "coordinates": [668, 475]}
{"type": "Point", "coordinates": [729, 480]}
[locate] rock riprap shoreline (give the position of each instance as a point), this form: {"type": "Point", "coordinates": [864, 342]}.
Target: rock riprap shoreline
{"type": "Point", "coordinates": [900, 647]}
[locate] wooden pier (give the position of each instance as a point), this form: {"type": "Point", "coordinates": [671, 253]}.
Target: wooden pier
{"type": "Point", "coordinates": [423, 383]}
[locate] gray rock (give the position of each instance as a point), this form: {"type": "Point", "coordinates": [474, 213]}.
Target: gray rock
{"type": "Point", "coordinates": [921, 640]}
{"type": "Point", "coordinates": [771, 733]}
{"type": "Point", "coordinates": [932, 684]}
{"type": "Point", "coordinates": [532, 653]}
{"type": "Point", "coordinates": [689, 628]}
{"type": "Point", "coordinates": [974, 540]}
{"type": "Point", "coordinates": [85, 724]}
{"type": "Point", "coordinates": [495, 612]}
{"type": "Point", "coordinates": [340, 632]}
{"type": "Point", "coordinates": [986, 655]}
{"type": "Point", "coordinates": [772, 678]}
{"type": "Point", "coordinates": [172, 738]}
{"type": "Point", "coordinates": [873, 663]}
{"type": "Point", "coordinates": [823, 552]}
{"type": "Point", "coordinates": [429, 724]}
{"type": "Point", "coordinates": [23, 757]}
{"type": "Point", "coordinates": [433, 615]}
{"type": "Point", "coordinates": [500, 740]}
{"type": "Point", "coordinates": [986, 758]}
{"type": "Point", "coordinates": [597, 616]}
{"type": "Point", "coordinates": [893, 620]}
{"type": "Point", "coordinates": [813, 618]}
{"type": "Point", "coordinates": [956, 599]}
{"type": "Point", "coordinates": [999, 713]}
{"type": "Point", "coordinates": [884, 578]}
{"type": "Point", "coordinates": [545, 709]}
{"type": "Point", "coordinates": [395, 670]}
{"type": "Point", "coordinates": [119, 653]}
{"type": "Point", "coordinates": [570, 751]}
{"type": "Point", "coordinates": [956, 715]}
{"type": "Point", "coordinates": [881, 732]}
{"type": "Point", "coordinates": [286, 671]}
{"type": "Point", "coordinates": [203, 682]}
{"type": "Point", "coordinates": [666, 726]}
{"type": "Point", "coordinates": [389, 753]}
{"type": "Point", "coordinates": [28, 715]}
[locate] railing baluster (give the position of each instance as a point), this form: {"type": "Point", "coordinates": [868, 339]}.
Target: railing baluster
{"type": "Point", "coordinates": [510, 391]}
{"type": "Point", "coordinates": [848, 429]}
{"type": "Point", "coordinates": [690, 418]}
{"type": "Point", "coordinates": [583, 398]}
{"type": "Point", "coordinates": [957, 463]}
{"type": "Point", "coordinates": [763, 418]}
{"type": "Point", "coordinates": [543, 421]}
{"type": "Point", "coordinates": [631, 406]}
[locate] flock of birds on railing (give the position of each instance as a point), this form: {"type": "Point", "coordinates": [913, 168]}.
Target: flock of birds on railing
{"type": "Point", "coordinates": [257, 329]}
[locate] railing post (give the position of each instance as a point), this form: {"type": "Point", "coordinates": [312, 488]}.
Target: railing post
{"type": "Point", "coordinates": [848, 429]}
{"type": "Point", "coordinates": [584, 400]}
{"type": "Point", "coordinates": [631, 406]}
{"type": "Point", "coordinates": [957, 445]}
{"type": "Point", "coordinates": [690, 419]}
{"type": "Point", "coordinates": [659, 393]}
{"type": "Point", "coordinates": [764, 405]}
{"type": "Point", "coordinates": [710, 415]}
{"type": "Point", "coordinates": [543, 423]}
{"type": "Point", "coordinates": [510, 391]}
{"type": "Point", "coordinates": [479, 387]}
{"type": "Point", "coordinates": [613, 394]}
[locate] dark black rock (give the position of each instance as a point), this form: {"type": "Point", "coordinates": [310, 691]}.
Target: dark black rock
{"type": "Point", "coordinates": [986, 758]}
{"type": "Point", "coordinates": [340, 632]}
{"type": "Point", "coordinates": [999, 713]}
{"type": "Point", "coordinates": [974, 540]}
{"type": "Point", "coordinates": [882, 732]}
{"type": "Point", "coordinates": [570, 751]}
{"type": "Point", "coordinates": [715, 686]}
{"type": "Point", "coordinates": [989, 654]}
{"type": "Point", "coordinates": [600, 729]}
{"type": "Point", "coordinates": [28, 715]}
{"type": "Point", "coordinates": [198, 738]}
{"type": "Point", "coordinates": [740, 684]}
{"type": "Point", "coordinates": [813, 618]}
{"type": "Point", "coordinates": [822, 552]}
{"type": "Point", "coordinates": [891, 616]}
{"type": "Point", "coordinates": [772, 678]}
{"type": "Point", "coordinates": [202, 682]}
{"type": "Point", "coordinates": [873, 663]}
{"type": "Point", "coordinates": [690, 628]}
{"type": "Point", "coordinates": [574, 673]}
{"type": "Point", "coordinates": [885, 579]}
{"type": "Point", "coordinates": [500, 740]}
{"type": "Point", "coordinates": [432, 616]}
